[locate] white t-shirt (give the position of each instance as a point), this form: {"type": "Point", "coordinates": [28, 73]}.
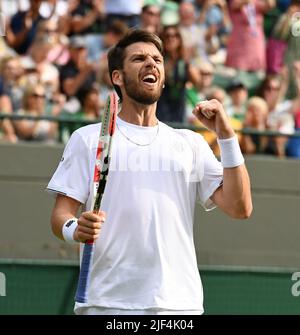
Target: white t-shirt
{"type": "Point", "coordinates": [145, 256]}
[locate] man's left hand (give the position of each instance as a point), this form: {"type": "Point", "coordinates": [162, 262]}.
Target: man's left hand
{"type": "Point", "coordinates": [213, 116]}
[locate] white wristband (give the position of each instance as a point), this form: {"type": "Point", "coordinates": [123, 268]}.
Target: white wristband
{"type": "Point", "coordinates": [68, 230]}
{"type": "Point", "coordinates": [231, 155]}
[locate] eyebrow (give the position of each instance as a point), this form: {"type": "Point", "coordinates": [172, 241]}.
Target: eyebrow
{"type": "Point", "coordinates": [141, 54]}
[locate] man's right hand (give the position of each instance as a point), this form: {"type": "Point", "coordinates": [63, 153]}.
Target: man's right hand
{"type": "Point", "coordinates": [89, 226]}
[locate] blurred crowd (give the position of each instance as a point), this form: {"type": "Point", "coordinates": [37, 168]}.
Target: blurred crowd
{"type": "Point", "coordinates": [245, 53]}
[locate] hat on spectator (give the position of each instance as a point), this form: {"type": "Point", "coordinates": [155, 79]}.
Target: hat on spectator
{"type": "Point", "coordinates": [77, 42]}
{"type": "Point", "coordinates": [235, 84]}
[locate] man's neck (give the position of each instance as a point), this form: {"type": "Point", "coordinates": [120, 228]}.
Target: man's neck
{"type": "Point", "coordinates": [141, 115]}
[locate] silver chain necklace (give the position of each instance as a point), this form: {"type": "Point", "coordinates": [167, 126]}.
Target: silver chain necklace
{"type": "Point", "coordinates": [139, 144]}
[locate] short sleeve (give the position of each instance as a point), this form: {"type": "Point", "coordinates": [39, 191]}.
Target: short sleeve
{"type": "Point", "coordinates": [211, 176]}
{"type": "Point", "coordinates": [72, 177]}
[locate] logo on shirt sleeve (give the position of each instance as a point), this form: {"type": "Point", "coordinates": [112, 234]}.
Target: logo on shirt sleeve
{"type": "Point", "coordinates": [69, 224]}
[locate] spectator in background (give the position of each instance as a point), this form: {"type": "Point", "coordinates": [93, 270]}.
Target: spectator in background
{"type": "Point", "coordinates": [193, 34]}
{"type": "Point", "coordinates": [9, 74]}
{"type": "Point", "coordinates": [104, 80]}
{"type": "Point", "coordinates": [58, 53]}
{"type": "Point", "coordinates": [150, 17]}
{"type": "Point", "coordinates": [11, 90]}
{"type": "Point", "coordinates": [198, 93]}
{"type": "Point", "coordinates": [246, 48]}
{"type": "Point", "coordinates": [292, 54]}
{"type": "Point", "coordinates": [280, 118]}
{"type": "Point", "coordinates": [178, 71]}
{"type": "Point", "coordinates": [206, 71]}
{"type": "Point", "coordinates": [124, 10]}
{"type": "Point", "coordinates": [78, 75]}
{"type": "Point", "coordinates": [87, 17]}
{"type": "Point", "coordinates": [214, 15]}
{"type": "Point", "coordinates": [7, 132]}
{"type": "Point", "coordinates": [293, 145]}
{"type": "Point", "coordinates": [238, 99]}
{"type": "Point", "coordinates": [91, 110]}
{"type": "Point", "coordinates": [255, 118]}
{"type": "Point", "coordinates": [21, 29]}
{"type": "Point", "coordinates": [98, 45]}
{"type": "Point", "coordinates": [34, 104]}
{"type": "Point", "coordinates": [47, 73]}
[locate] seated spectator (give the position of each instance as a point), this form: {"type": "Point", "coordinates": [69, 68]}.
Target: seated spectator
{"type": "Point", "coordinates": [78, 75]}
{"type": "Point", "coordinates": [205, 82]}
{"type": "Point", "coordinates": [47, 73]}
{"type": "Point", "coordinates": [7, 132]}
{"type": "Point", "coordinates": [280, 116]}
{"type": "Point", "coordinates": [150, 17]}
{"type": "Point", "coordinates": [34, 104]}
{"type": "Point", "coordinates": [11, 90]}
{"type": "Point", "coordinates": [21, 29]}
{"type": "Point", "coordinates": [91, 110]}
{"type": "Point", "coordinates": [206, 71]}
{"type": "Point", "coordinates": [238, 95]}
{"type": "Point", "coordinates": [255, 118]}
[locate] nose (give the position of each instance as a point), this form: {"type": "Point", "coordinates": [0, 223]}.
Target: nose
{"type": "Point", "coordinates": [150, 62]}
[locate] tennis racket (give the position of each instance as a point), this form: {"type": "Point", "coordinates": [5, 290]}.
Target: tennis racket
{"type": "Point", "coordinates": [100, 177]}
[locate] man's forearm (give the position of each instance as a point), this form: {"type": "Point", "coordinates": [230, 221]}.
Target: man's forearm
{"type": "Point", "coordinates": [236, 191]}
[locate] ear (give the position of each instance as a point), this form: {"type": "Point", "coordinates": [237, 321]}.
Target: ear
{"type": "Point", "coordinates": [117, 77]}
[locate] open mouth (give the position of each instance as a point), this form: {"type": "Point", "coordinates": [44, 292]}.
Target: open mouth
{"type": "Point", "coordinates": [150, 79]}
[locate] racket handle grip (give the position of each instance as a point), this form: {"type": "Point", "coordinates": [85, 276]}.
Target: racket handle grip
{"type": "Point", "coordinates": [87, 256]}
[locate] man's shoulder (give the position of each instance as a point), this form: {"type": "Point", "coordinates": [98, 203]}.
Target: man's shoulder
{"type": "Point", "coordinates": [88, 133]}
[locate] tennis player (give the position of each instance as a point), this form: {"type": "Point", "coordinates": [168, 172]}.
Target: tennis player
{"type": "Point", "coordinates": [144, 257]}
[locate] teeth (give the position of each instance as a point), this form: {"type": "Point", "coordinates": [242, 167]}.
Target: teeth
{"type": "Point", "coordinates": [150, 76]}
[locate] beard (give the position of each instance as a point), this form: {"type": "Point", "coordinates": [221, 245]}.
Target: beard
{"type": "Point", "coordinates": [139, 94]}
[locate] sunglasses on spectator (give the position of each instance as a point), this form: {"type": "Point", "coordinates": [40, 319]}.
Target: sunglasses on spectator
{"type": "Point", "coordinates": [206, 73]}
